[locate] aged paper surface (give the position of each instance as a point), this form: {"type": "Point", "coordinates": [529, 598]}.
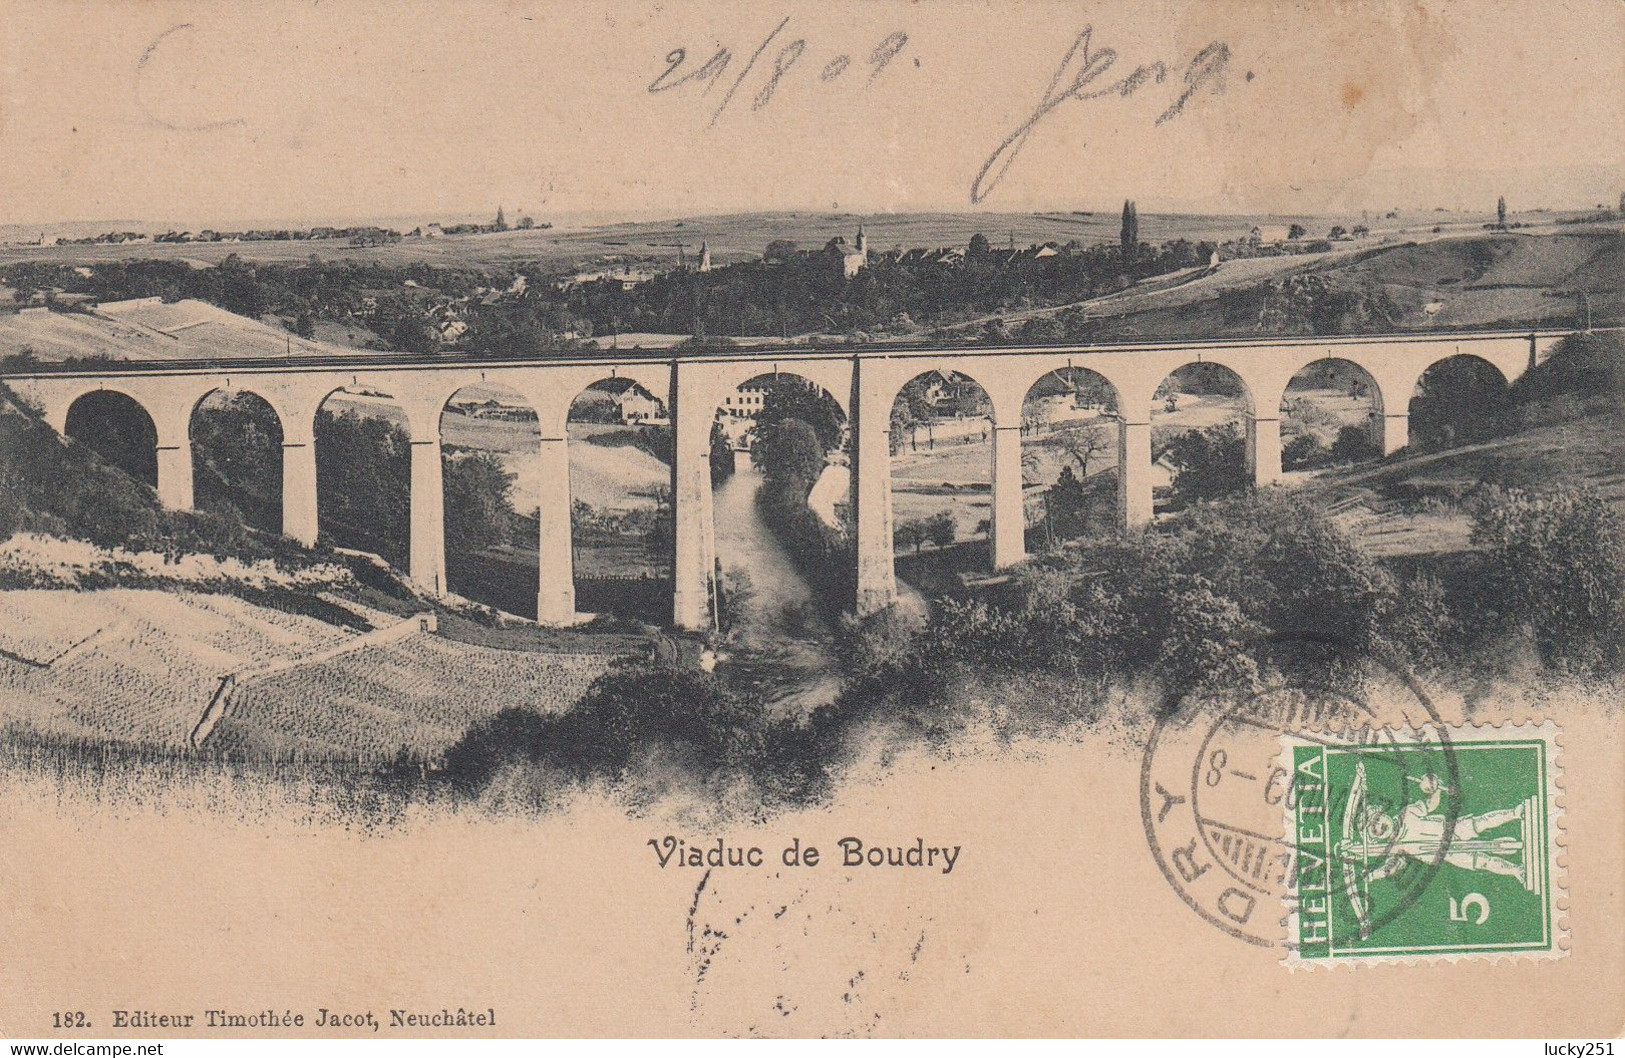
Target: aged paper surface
{"type": "Point", "coordinates": [589, 519]}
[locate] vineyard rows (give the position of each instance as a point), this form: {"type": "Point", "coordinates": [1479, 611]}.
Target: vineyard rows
{"type": "Point", "coordinates": [418, 695]}
{"type": "Point", "coordinates": [147, 676]}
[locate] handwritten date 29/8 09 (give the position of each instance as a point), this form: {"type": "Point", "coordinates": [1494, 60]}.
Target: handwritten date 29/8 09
{"type": "Point", "coordinates": [715, 69]}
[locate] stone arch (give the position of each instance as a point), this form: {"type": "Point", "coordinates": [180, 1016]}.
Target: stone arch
{"type": "Point", "coordinates": [1332, 411]}
{"type": "Point", "coordinates": [912, 372]}
{"type": "Point", "coordinates": [1202, 373]}
{"type": "Point", "coordinates": [941, 437]}
{"type": "Point", "coordinates": [558, 391]}
{"type": "Point", "coordinates": [236, 439]}
{"type": "Point", "coordinates": [491, 493]}
{"type": "Point", "coordinates": [766, 482]}
{"type": "Point", "coordinates": [737, 409]}
{"type": "Point", "coordinates": [1070, 434]}
{"type": "Point", "coordinates": [1457, 399]}
{"type": "Point", "coordinates": [608, 519]}
{"type": "Point", "coordinates": [118, 427]}
{"type": "Point", "coordinates": [1203, 426]}
{"type": "Point", "coordinates": [362, 442]}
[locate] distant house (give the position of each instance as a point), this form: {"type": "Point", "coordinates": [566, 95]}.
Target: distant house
{"type": "Point", "coordinates": [629, 277]}
{"type": "Point", "coordinates": [636, 406]}
{"type": "Point", "coordinates": [745, 403]}
{"type": "Point", "coordinates": [623, 274]}
{"type": "Point", "coordinates": [490, 408]}
{"type": "Point", "coordinates": [950, 394]}
{"type": "Point", "coordinates": [849, 258]}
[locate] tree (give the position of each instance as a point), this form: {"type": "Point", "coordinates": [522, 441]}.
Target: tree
{"type": "Point", "coordinates": [1588, 366]}
{"type": "Point", "coordinates": [364, 483]}
{"type": "Point", "coordinates": [1083, 443]}
{"type": "Point", "coordinates": [787, 452]}
{"type": "Point", "coordinates": [1296, 231]}
{"type": "Point", "coordinates": [1337, 232]}
{"type": "Point", "coordinates": [1208, 463]}
{"type": "Point", "coordinates": [722, 455]}
{"type": "Point", "coordinates": [526, 223]}
{"type": "Point", "coordinates": [305, 326]}
{"type": "Point", "coordinates": [235, 460]}
{"type": "Point", "coordinates": [479, 501]}
{"type": "Point", "coordinates": [778, 252]}
{"type": "Point", "coordinates": [978, 246]}
{"type": "Point", "coordinates": [501, 223]}
{"type": "Point", "coordinates": [940, 529]}
{"type": "Point", "coordinates": [1065, 504]}
{"type": "Point", "coordinates": [792, 397]}
{"type": "Point", "coordinates": [1353, 445]}
{"type": "Point", "coordinates": [400, 323]}
{"type": "Point", "coordinates": [1462, 399]}
{"type": "Point", "coordinates": [908, 534]}
{"type": "Point", "coordinates": [1040, 329]}
{"type": "Point", "coordinates": [1557, 563]}
{"type": "Point", "coordinates": [1302, 451]}
{"type": "Point", "coordinates": [1129, 236]}
{"type": "Point", "coordinates": [1314, 303]}
{"type": "Point", "coordinates": [1501, 211]}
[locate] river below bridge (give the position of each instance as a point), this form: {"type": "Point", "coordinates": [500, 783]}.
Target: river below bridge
{"type": "Point", "coordinates": [782, 643]}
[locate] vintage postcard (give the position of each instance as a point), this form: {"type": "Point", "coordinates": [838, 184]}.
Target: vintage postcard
{"type": "Point", "coordinates": [592, 518]}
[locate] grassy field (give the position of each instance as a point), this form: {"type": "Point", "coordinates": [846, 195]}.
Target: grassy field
{"type": "Point", "coordinates": [608, 471]}
{"type": "Point", "coordinates": [1454, 280]}
{"type": "Point", "coordinates": [732, 237]}
{"type": "Point", "coordinates": [1458, 277]}
{"type": "Point", "coordinates": [152, 330]}
{"type": "Point", "coordinates": [955, 476]}
{"type": "Point", "coordinates": [1413, 503]}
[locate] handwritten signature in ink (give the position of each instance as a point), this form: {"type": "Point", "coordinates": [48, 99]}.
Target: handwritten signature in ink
{"type": "Point", "coordinates": [1205, 69]}
{"type": "Point", "coordinates": [711, 71]}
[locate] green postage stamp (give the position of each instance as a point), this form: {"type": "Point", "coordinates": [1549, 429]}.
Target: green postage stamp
{"type": "Point", "coordinates": [1410, 847]}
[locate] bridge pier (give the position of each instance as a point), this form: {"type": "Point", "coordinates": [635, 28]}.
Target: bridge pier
{"type": "Point", "coordinates": [1263, 450]}
{"type": "Point", "coordinates": [299, 504]}
{"type": "Point", "coordinates": [1134, 501]}
{"type": "Point", "coordinates": [175, 472]}
{"type": "Point", "coordinates": [871, 487]}
{"type": "Point", "coordinates": [693, 549]}
{"type": "Point", "coordinates": [555, 590]}
{"type": "Point", "coordinates": [427, 553]}
{"type": "Point", "coordinates": [1009, 521]}
{"type": "Point", "coordinates": [1393, 432]}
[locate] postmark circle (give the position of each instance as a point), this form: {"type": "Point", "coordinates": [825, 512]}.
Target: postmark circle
{"type": "Point", "coordinates": [1216, 793]}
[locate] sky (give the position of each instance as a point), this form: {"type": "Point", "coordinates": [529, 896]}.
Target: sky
{"type": "Point", "coordinates": [222, 112]}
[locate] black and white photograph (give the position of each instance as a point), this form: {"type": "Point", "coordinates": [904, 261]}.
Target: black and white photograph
{"type": "Point", "coordinates": [908, 520]}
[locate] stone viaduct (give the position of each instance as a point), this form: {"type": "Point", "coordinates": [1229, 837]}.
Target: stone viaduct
{"type": "Point", "coordinates": [864, 380]}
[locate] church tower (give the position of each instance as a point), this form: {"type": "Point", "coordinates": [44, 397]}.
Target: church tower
{"type": "Point", "coordinates": [705, 257]}
{"type": "Point", "coordinates": [863, 243]}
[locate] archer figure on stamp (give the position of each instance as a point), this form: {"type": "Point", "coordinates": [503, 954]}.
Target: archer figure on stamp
{"type": "Point", "coordinates": [1419, 831]}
